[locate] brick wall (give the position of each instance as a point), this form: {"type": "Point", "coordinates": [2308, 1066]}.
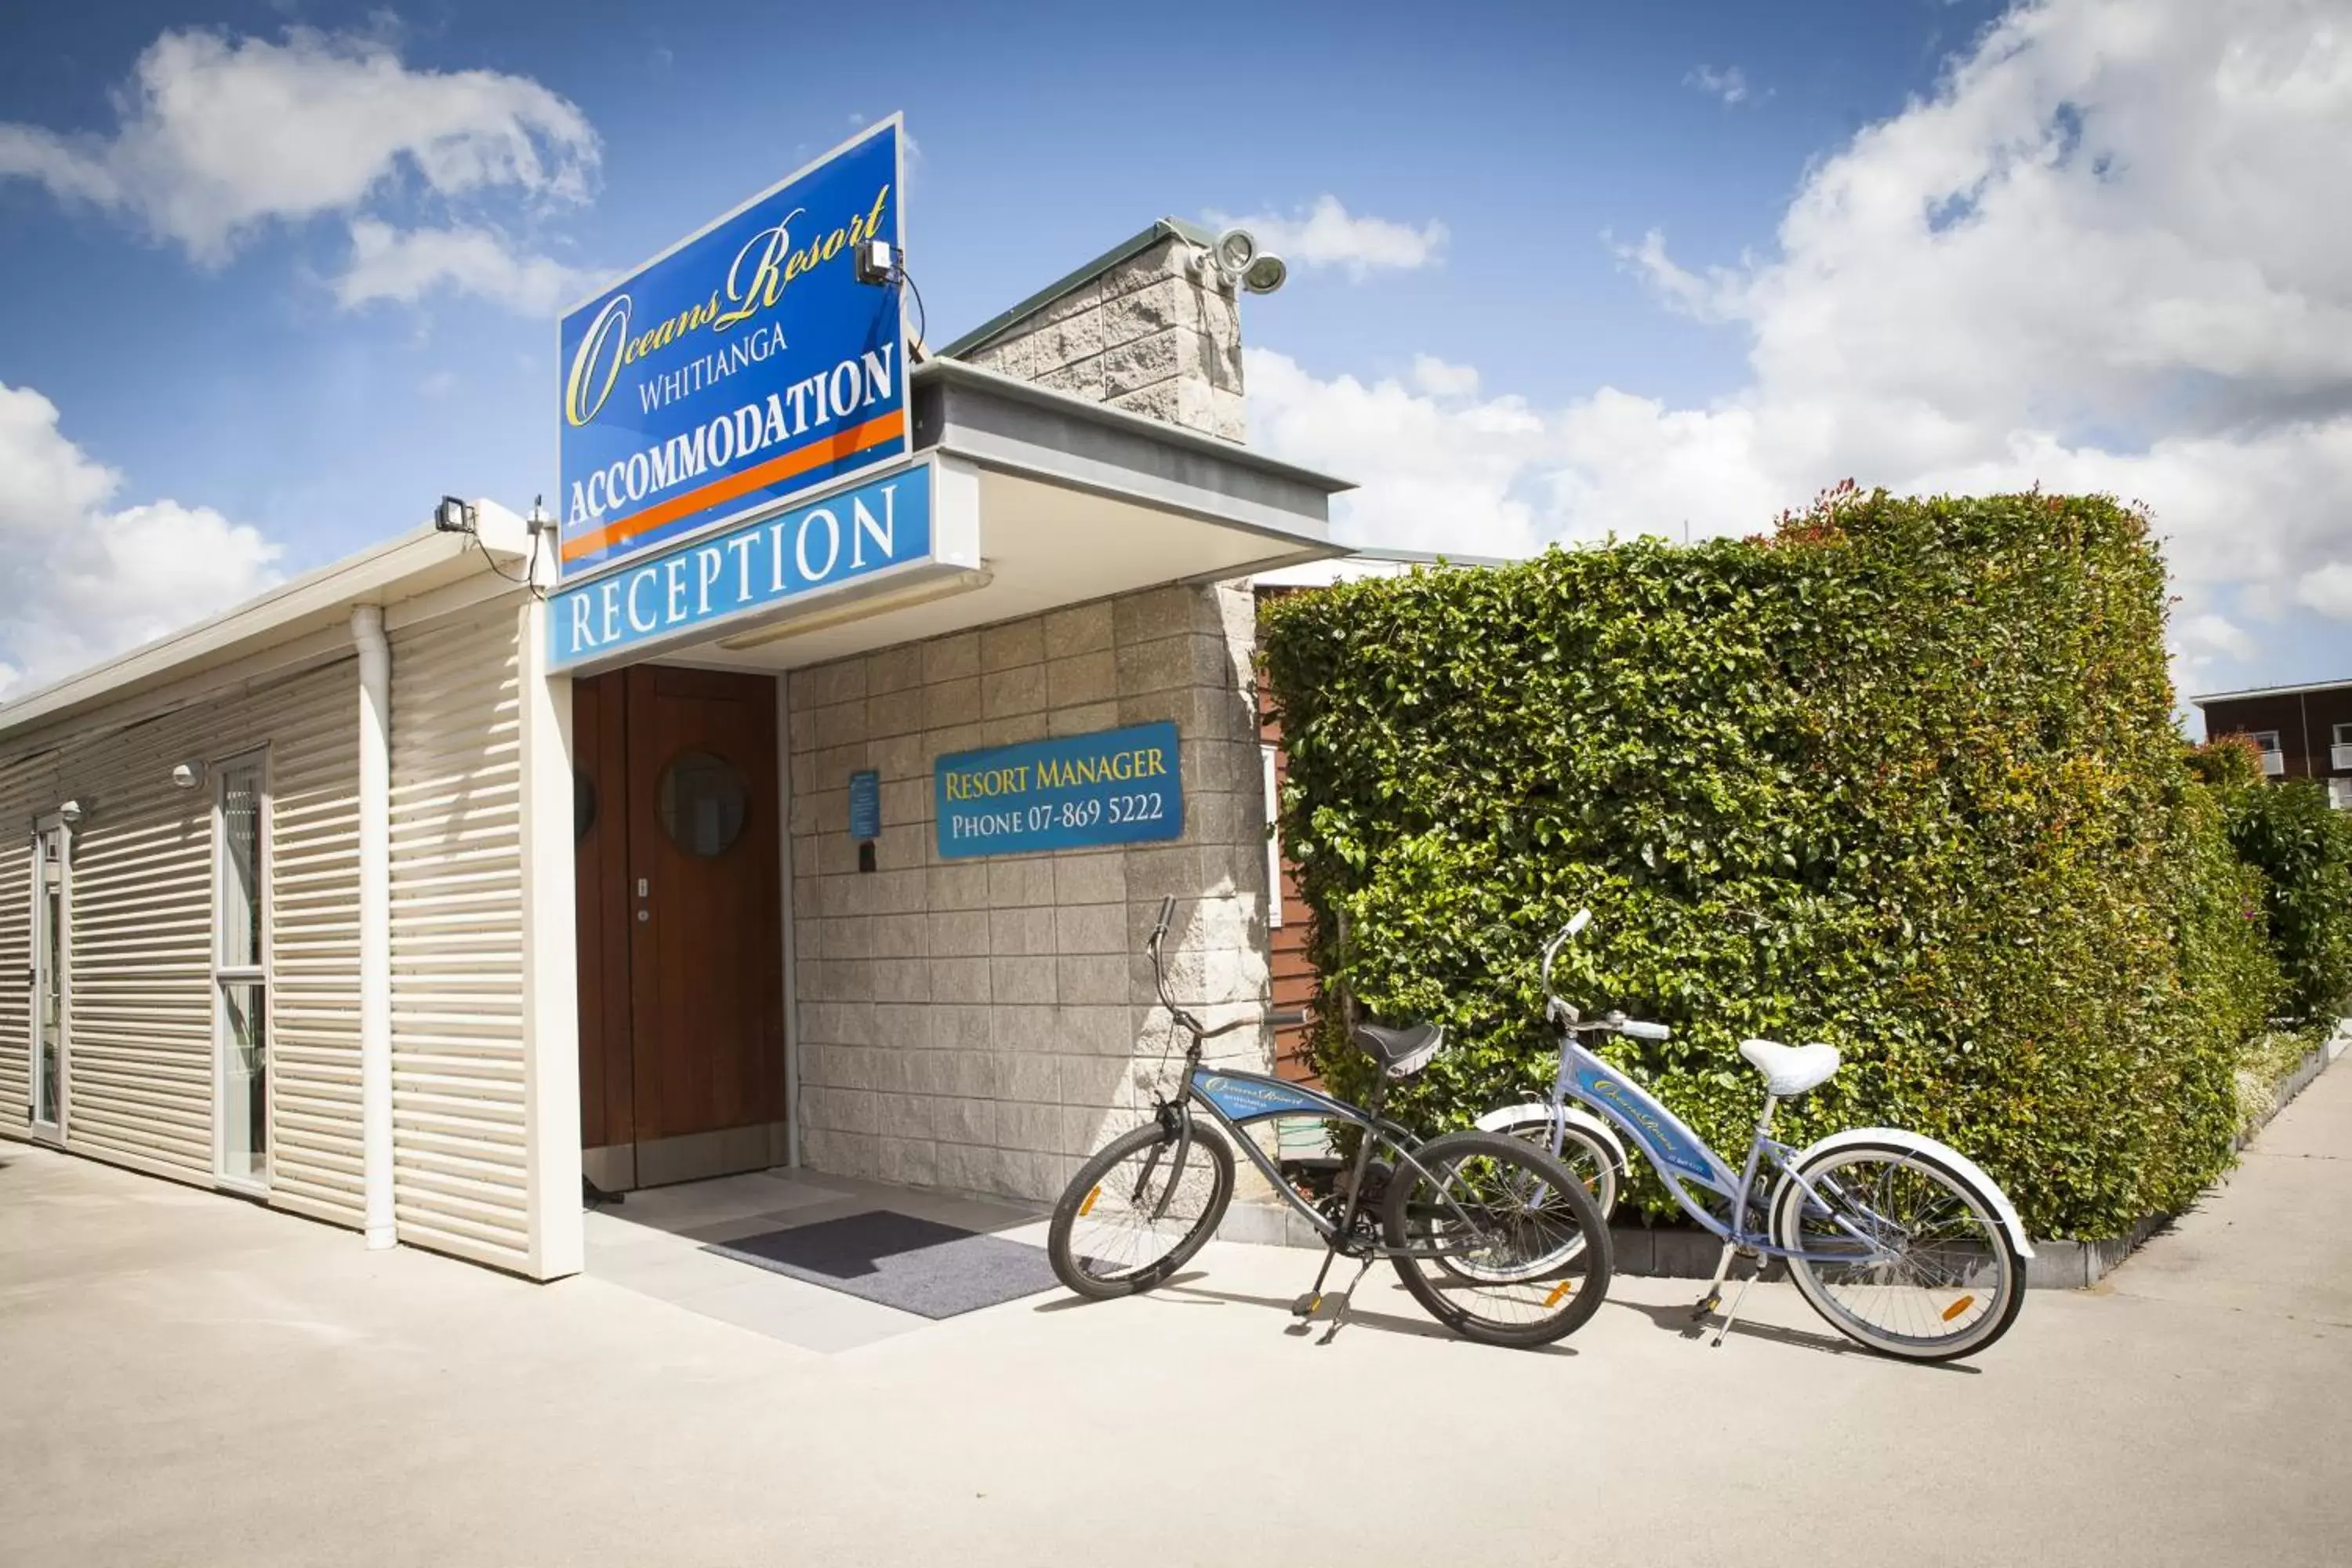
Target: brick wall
{"type": "Point", "coordinates": [976, 1024]}
{"type": "Point", "coordinates": [1156, 335]}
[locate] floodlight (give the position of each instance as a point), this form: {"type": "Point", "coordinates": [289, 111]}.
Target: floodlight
{"type": "Point", "coordinates": [1265, 274]}
{"type": "Point", "coordinates": [453, 516]}
{"type": "Point", "coordinates": [1236, 248]}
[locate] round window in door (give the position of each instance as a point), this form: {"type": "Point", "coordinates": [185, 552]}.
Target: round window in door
{"type": "Point", "coordinates": [702, 802]}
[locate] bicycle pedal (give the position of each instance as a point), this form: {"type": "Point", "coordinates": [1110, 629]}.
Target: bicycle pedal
{"type": "Point", "coordinates": [1305, 1305]}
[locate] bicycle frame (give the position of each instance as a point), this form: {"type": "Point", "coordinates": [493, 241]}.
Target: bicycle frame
{"type": "Point", "coordinates": [1683, 1159]}
{"type": "Point", "coordinates": [1233, 1098]}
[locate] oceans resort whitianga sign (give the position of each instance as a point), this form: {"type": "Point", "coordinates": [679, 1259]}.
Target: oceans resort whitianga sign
{"type": "Point", "coordinates": [744, 367]}
{"type": "Point", "coordinates": [734, 424]}
{"type": "Point", "coordinates": [735, 441]}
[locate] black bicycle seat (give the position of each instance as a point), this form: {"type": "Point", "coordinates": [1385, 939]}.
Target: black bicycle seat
{"type": "Point", "coordinates": [1401, 1052]}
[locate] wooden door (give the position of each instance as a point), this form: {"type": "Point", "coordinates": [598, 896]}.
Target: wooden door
{"type": "Point", "coordinates": [680, 920]}
{"type": "Point", "coordinates": [600, 869]}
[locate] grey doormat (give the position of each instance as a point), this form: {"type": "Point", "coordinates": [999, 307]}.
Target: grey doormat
{"type": "Point", "coordinates": [915, 1265]}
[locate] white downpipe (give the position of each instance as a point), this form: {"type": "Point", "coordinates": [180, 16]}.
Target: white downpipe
{"type": "Point", "coordinates": [375, 921]}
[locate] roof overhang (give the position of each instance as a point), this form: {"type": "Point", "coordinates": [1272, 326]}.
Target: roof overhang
{"type": "Point", "coordinates": [1057, 501]}
{"type": "Point", "coordinates": [2261, 691]}
{"type": "Point", "coordinates": [1064, 501]}
{"type": "Point", "coordinates": [420, 562]}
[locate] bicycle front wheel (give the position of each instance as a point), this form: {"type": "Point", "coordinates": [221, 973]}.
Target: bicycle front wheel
{"type": "Point", "coordinates": [1499, 1241]}
{"type": "Point", "coordinates": [1899, 1252]}
{"type": "Point", "coordinates": [1133, 1214]}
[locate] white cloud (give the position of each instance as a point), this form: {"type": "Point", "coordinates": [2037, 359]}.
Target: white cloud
{"type": "Point", "coordinates": [79, 581]}
{"type": "Point", "coordinates": [2328, 591]}
{"type": "Point", "coordinates": [1439, 379]}
{"type": "Point", "coordinates": [1730, 84]}
{"type": "Point", "coordinates": [2104, 254]}
{"type": "Point", "coordinates": [405, 265]}
{"type": "Point", "coordinates": [1329, 235]}
{"type": "Point", "coordinates": [217, 137]}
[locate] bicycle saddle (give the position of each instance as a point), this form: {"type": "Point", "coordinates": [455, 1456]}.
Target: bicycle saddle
{"type": "Point", "coordinates": [1401, 1052]}
{"type": "Point", "coordinates": [1791, 1070]}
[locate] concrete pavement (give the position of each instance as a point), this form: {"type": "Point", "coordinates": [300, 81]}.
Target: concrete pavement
{"type": "Point", "coordinates": [186, 1379]}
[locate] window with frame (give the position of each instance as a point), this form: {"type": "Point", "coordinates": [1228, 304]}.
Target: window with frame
{"type": "Point", "coordinates": [240, 968]}
{"type": "Point", "coordinates": [2340, 793]}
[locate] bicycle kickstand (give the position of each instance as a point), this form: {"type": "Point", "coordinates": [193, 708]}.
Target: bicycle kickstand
{"type": "Point", "coordinates": [1714, 1297]}
{"type": "Point", "coordinates": [1305, 1306]}
{"type": "Point", "coordinates": [1347, 1301]}
{"type": "Point", "coordinates": [1724, 1327]}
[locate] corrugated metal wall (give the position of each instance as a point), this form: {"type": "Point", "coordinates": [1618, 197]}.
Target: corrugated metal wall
{"type": "Point", "coordinates": [462, 1165]}
{"type": "Point", "coordinates": [140, 1037]}
{"type": "Point", "coordinates": [314, 880]}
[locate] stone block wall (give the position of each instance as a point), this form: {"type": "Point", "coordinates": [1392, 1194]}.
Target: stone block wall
{"type": "Point", "coordinates": [1156, 335]}
{"type": "Point", "coordinates": [978, 1025]}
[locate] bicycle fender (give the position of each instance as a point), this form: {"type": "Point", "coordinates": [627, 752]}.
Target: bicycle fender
{"type": "Point", "coordinates": [1510, 1116]}
{"type": "Point", "coordinates": [1918, 1144]}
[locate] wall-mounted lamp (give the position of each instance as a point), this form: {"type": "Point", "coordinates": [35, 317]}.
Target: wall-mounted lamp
{"type": "Point", "coordinates": [187, 775]}
{"type": "Point", "coordinates": [1240, 259]}
{"type": "Point", "coordinates": [453, 516]}
{"type": "Point", "coordinates": [69, 812]}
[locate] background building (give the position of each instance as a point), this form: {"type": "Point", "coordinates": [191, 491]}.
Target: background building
{"type": "Point", "coordinates": [2304, 731]}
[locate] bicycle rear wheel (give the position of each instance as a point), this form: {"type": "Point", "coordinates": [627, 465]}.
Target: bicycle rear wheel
{"type": "Point", "coordinates": [1903, 1254]}
{"type": "Point", "coordinates": [1498, 1240]}
{"type": "Point", "coordinates": [1132, 1216]}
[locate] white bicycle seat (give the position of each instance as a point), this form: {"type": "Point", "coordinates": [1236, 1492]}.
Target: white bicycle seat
{"type": "Point", "coordinates": [1791, 1070]}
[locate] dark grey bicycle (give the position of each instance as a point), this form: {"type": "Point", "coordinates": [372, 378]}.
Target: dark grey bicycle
{"type": "Point", "coordinates": [1491, 1234]}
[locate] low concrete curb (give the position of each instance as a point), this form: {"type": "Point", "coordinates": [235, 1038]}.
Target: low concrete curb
{"type": "Point", "coordinates": [1673, 1252]}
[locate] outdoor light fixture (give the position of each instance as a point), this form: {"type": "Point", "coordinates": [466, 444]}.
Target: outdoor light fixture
{"type": "Point", "coordinates": [1239, 257]}
{"type": "Point", "coordinates": [1266, 274]}
{"type": "Point", "coordinates": [875, 263]}
{"type": "Point", "coordinates": [187, 775]}
{"type": "Point", "coordinates": [453, 516]}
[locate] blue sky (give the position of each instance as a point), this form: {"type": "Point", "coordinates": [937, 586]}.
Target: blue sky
{"type": "Point", "coordinates": [1491, 294]}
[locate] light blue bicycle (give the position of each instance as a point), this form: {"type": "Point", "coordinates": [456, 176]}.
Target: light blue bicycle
{"type": "Point", "coordinates": [1901, 1242]}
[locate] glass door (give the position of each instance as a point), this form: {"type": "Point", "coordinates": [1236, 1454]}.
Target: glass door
{"type": "Point", "coordinates": [52, 909]}
{"type": "Point", "coordinates": [241, 974]}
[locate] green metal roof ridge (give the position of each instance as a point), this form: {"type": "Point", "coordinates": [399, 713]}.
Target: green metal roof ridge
{"type": "Point", "coordinates": [1134, 245]}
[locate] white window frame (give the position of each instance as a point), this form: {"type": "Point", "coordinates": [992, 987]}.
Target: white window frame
{"type": "Point", "coordinates": [2267, 743]}
{"type": "Point", "coordinates": [2340, 793]}
{"type": "Point", "coordinates": [1273, 839]}
{"type": "Point", "coordinates": [43, 827]}
{"type": "Point", "coordinates": [2339, 748]}
{"type": "Point", "coordinates": [258, 974]}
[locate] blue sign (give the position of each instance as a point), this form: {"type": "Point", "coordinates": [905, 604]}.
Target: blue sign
{"type": "Point", "coordinates": [741, 367]}
{"type": "Point", "coordinates": [866, 803]}
{"type": "Point", "coordinates": [881, 524]}
{"type": "Point", "coordinates": [1115, 786]}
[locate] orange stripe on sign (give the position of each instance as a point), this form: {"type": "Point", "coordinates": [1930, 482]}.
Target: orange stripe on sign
{"type": "Point", "coordinates": [718, 492]}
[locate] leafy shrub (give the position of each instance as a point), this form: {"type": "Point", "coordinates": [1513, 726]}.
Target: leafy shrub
{"type": "Point", "coordinates": [1902, 776]}
{"type": "Point", "coordinates": [2302, 848]}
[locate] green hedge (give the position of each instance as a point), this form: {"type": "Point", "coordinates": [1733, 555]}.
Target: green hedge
{"type": "Point", "coordinates": [2302, 848]}
{"type": "Point", "coordinates": [1903, 776]}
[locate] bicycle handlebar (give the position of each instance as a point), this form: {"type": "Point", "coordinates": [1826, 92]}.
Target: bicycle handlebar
{"type": "Point", "coordinates": [1632, 1028]}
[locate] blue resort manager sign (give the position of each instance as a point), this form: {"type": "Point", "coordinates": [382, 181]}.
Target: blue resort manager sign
{"type": "Point", "coordinates": [1115, 786]}
{"type": "Point", "coordinates": [742, 367]}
